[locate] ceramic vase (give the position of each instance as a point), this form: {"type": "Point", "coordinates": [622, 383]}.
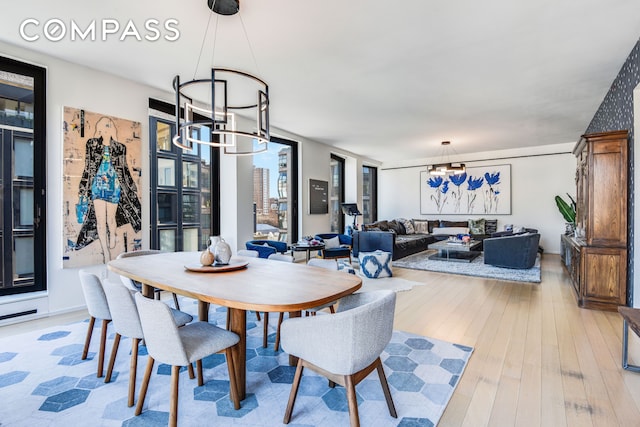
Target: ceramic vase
{"type": "Point", "coordinates": [222, 253]}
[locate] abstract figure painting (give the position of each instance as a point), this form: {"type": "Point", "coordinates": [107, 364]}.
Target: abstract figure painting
{"type": "Point", "coordinates": [477, 191]}
{"type": "Point", "coordinates": [101, 187]}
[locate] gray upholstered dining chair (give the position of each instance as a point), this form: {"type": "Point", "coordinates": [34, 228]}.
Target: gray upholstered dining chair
{"type": "Point", "coordinates": [126, 322]}
{"type": "Point", "coordinates": [357, 335]}
{"type": "Point", "coordinates": [178, 347]}
{"type": "Point", "coordinates": [248, 253]}
{"type": "Point", "coordinates": [265, 323]}
{"type": "Point", "coordinates": [135, 286]}
{"type": "Point", "coordinates": [98, 308]}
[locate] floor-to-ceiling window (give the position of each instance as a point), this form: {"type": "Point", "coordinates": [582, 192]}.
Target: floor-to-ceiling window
{"type": "Point", "coordinates": [336, 194]}
{"type": "Point", "coordinates": [275, 190]}
{"type": "Point", "coordinates": [369, 194]}
{"type": "Point", "coordinates": [184, 196]}
{"type": "Point", "coordinates": [22, 177]}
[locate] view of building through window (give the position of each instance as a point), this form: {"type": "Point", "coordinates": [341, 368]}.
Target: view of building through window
{"type": "Point", "coordinates": [272, 193]}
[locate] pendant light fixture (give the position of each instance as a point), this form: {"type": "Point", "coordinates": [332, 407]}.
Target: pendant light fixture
{"type": "Point", "coordinates": [237, 115]}
{"type": "Point", "coordinates": [446, 167]}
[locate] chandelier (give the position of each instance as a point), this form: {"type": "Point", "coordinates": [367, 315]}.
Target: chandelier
{"type": "Point", "coordinates": [446, 167]}
{"type": "Point", "coordinates": [237, 115]}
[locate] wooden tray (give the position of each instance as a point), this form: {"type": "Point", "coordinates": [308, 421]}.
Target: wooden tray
{"type": "Point", "coordinates": [232, 266]}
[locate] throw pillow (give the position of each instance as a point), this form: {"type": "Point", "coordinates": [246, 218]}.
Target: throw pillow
{"type": "Point", "coordinates": [450, 231]}
{"type": "Point", "coordinates": [408, 225]}
{"type": "Point", "coordinates": [397, 228]}
{"type": "Point", "coordinates": [490, 226]}
{"type": "Point", "coordinates": [421, 226]}
{"type": "Point", "coordinates": [346, 267]}
{"type": "Point", "coordinates": [332, 243]}
{"type": "Point", "coordinates": [476, 226]}
{"type": "Point", "coordinates": [382, 225]}
{"type": "Point", "coordinates": [375, 264]}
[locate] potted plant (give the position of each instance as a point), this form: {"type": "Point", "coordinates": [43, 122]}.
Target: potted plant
{"type": "Point", "coordinates": [568, 212]}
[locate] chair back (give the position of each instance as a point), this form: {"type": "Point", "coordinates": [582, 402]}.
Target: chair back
{"type": "Point", "coordinates": [272, 246]}
{"type": "Point", "coordinates": [133, 285]}
{"type": "Point", "coordinates": [248, 253]}
{"type": "Point", "coordinates": [357, 333]}
{"type": "Point", "coordinates": [94, 295]}
{"type": "Point", "coordinates": [161, 334]}
{"type": "Point", "coordinates": [281, 257]}
{"type": "Point", "coordinates": [328, 264]}
{"type": "Point", "coordinates": [123, 308]}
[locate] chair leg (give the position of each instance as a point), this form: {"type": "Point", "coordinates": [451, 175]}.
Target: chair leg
{"type": "Point", "coordinates": [332, 310]}
{"type": "Point", "coordinates": [385, 389]}
{"type": "Point", "coordinates": [133, 367]}
{"type": "Point", "coordinates": [87, 341]}
{"type": "Point", "coordinates": [265, 333]}
{"type": "Point", "coordinates": [199, 368]}
{"type": "Point", "coordinates": [175, 301]}
{"type": "Point", "coordinates": [103, 344]}
{"type": "Point", "coordinates": [173, 405]}
{"type": "Point", "coordinates": [352, 401]}
{"type": "Point", "coordinates": [294, 392]}
{"type": "Point", "coordinates": [228, 325]}
{"type": "Point", "coordinates": [233, 384]}
{"type": "Point", "coordinates": [258, 315]}
{"type": "Point", "coordinates": [145, 385]}
{"type": "Point", "coordinates": [112, 359]}
{"type": "Point", "coordinates": [280, 319]}
{"type": "Point", "coordinates": [192, 375]}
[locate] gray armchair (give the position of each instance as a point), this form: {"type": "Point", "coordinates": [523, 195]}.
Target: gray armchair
{"type": "Point", "coordinates": [516, 251]}
{"type": "Point", "coordinates": [357, 334]}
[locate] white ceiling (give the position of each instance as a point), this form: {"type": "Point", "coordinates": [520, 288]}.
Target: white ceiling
{"type": "Point", "coordinates": [388, 80]}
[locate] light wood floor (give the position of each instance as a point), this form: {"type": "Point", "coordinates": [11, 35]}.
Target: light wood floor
{"type": "Point", "coordinates": [538, 359]}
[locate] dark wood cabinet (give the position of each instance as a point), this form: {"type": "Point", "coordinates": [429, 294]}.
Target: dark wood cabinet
{"type": "Point", "coordinates": [597, 258]}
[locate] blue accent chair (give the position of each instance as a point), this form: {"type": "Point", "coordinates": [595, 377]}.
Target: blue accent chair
{"type": "Point", "coordinates": [264, 251]}
{"type": "Point", "coordinates": [344, 251]}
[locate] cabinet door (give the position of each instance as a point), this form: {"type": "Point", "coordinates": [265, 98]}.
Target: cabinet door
{"type": "Point", "coordinates": [607, 212]}
{"type": "Point", "coordinates": [604, 276]}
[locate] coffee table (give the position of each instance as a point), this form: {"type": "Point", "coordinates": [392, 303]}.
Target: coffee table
{"type": "Point", "coordinates": [307, 248]}
{"type": "Point", "coordinates": [458, 252]}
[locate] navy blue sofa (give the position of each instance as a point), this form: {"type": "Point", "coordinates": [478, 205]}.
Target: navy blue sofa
{"type": "Point", "coordinates": [272, 247]}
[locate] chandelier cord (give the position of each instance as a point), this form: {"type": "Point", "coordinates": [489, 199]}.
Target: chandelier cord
{"type": "Point", "coordinates": [253, 56]}
{"type": "Point", "coordinates": [204, 39]}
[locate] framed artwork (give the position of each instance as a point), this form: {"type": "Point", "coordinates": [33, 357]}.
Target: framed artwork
{"type": "Point", "coordinates": [102, 193]}
{"type": "Point", "coordinates": [318, 197]}
{"type": "Point", "coordinates": [478, 191]}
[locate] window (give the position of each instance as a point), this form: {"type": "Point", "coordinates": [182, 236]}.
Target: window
{"type": "Point", "coordinates": [336, 194]}
{"type": "Point", "coordinates": [22, 177]}
{"type": "Point", "coordinates": [182, 184]}
{"type": "Point", "coordinates": [275, 190]}
{"type": "Point", "coordinates": [369, 194]}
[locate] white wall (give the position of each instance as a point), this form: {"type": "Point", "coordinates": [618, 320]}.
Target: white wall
{"type": "Point", "coordinates": [537, 176]}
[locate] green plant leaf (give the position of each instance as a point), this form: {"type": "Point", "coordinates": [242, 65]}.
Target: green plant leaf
{"type": "Point", "coordinates": [567, 211]}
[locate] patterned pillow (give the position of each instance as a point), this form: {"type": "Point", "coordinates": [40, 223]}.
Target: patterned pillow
{"type": "Point", "coordinates": [490, 226]}
{"type": "Point", "coordinates": [420, 226]}
{"type": "Point", "coordinates": [408, 225]}
{"type": "Point", "coordinates": [396, 226]}
{"type": "Point", "coordinates": [346, 266]}
{"type": "Point", "coordinates": [375, 264]}
{"type": "Point", "coordinates": [476, 226]}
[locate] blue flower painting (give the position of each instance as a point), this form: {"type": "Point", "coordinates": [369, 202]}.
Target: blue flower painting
{"type": "Point", "coordinates": [479, 190]}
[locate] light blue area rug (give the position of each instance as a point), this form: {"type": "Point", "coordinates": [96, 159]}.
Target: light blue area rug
{"type": "Point", "coordinates": [477, 268]}
{"type": "Point", "coordinates": [43, 382]}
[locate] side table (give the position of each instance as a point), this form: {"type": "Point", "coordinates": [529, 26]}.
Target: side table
{"type": "Point", "coordinates": [631, 319]}
{"type": "Point", "coordinates": [307, 248]}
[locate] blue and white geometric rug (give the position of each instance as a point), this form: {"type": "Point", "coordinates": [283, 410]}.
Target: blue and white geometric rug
{"type": "Point", "coordinates": [43, 382]}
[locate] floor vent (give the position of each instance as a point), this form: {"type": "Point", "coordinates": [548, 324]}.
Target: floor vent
{"type": "Point", "coordinates": [22, 313]}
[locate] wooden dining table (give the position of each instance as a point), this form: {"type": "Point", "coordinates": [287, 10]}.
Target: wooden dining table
{"type": "Point", "coordinates": [262, 285]}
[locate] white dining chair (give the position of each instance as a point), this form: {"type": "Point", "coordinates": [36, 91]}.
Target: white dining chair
{"type": "Point", "coordinates": [135, 286]}
{"type": "Point", "coordinates": [126, 323]}
{"type": "Point", "coordinates": [265, 324]}
{"type": "Point", "coordinates": [179, 347]}
{"type": "Point", "coordinates": [357, 334]}
{"type": "Point", "coordinates": [248, 253]}
{"type": "Point", "coordinates": [98, 308]}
